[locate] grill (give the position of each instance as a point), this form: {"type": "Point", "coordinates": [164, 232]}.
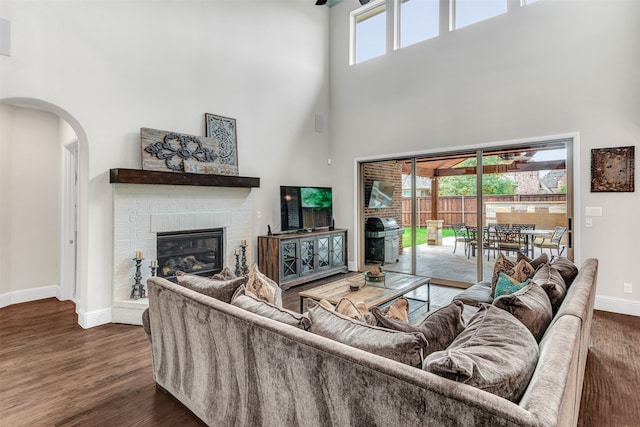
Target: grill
{"type": "Point", "coordinates": [382, 240]}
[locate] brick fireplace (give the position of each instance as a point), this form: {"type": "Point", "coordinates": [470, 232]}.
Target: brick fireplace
{"type": "Point", "coordinates": [142, 212]}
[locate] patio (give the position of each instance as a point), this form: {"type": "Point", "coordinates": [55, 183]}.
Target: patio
{"type": "Point", "coordinates": [442, 265]}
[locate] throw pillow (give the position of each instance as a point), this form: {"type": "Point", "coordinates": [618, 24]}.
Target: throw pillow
{"type": "Point", "coordinates": [477, 294]}
{"type": "Point", "coordinates": [495, 353]}
{"type": "Point", "coordinates": [531, 306]}
{"type": "Point", "coordinates": [357, 311]}
{"type": "Point", "coordinates": [398, 310]}
{"type": "Point", "coordinates": [225, 274]}
{"type": "Point", "coordinates": [440, 328]}
{"type": "Point", "coordinates": [567, 269]}
{"type": "Point", "coordinates": [550, 279]}
{"type": "Point", "coordinates": [263, 287]}
{"type": "Point", "coordinates": [502, 265]}
{"type": "Point", "coordinates": [404, 347]}
{"type": "Point", "coordinates": [521, 271]}
{"type": "Point", "coordinates": [506, 285]}
{"type": "Point", "coordinates": [222, 290]}
{"type": "Point", "coordinates": [248, 301]}
{"type": "Point", "coordinates": [535, 263]}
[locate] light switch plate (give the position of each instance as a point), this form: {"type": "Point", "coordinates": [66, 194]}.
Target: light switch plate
{"type": "Point", "coordinates": [593, 211]}
{"type": "Point", "coordinates": [588, 222]}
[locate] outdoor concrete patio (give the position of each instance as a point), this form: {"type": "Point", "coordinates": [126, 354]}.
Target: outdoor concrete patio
{"type": "Point", "coordinates": [440, 262]}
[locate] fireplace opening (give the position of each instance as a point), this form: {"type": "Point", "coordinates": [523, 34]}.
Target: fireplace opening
{"type": "Point", "coordinates": [194, 252]}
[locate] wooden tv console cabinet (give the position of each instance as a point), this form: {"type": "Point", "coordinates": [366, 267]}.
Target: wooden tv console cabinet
{"type": "Point", "coordinates": [291, 259]}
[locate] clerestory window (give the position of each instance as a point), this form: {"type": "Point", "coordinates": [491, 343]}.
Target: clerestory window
{"type": "Point", "coordinates": [418, 21]}
{"type": "Point", "coordinates": [467, 12]}
{"type": "Point", "coordinates": [369, 32]}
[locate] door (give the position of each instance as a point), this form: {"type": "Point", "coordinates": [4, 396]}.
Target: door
{"type": "Point", "coordinates": [527, 183]}
{"type": "Point", "coordinates": [70, 223]}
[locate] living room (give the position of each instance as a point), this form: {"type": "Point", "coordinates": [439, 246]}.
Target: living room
{"type": "Point", "coordinates": [97, 72]}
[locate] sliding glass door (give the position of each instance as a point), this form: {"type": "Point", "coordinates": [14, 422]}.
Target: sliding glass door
{"type": "Point", "coordinates": [449, 205]}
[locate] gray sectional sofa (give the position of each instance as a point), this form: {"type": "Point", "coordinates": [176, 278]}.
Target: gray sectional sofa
{"type": "Point", "coordinates": [232, 367]}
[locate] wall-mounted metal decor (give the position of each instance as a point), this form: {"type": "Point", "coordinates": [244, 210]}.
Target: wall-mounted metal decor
{"type": "Point", "coordinates": [612, 169]}
{"type": "Point", "coordinates": [224, 130]}
{"type": "Point", "coordinates": [176, 152]}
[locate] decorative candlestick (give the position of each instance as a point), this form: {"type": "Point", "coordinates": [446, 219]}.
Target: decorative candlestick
{"type": "Point", "coordinates": [237, 254]}
{"type": "Point", "coordinates": [154, 268]}
{"type": "Point", "coordinates": [138, 290]}
{"type": "Point", "coordinates": [245, 268]}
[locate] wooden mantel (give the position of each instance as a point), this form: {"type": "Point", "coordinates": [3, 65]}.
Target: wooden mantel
{"type": "Point", "coordinates": [137, 176]}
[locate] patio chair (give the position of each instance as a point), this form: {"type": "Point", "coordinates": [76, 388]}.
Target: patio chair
{"type": "Point", "coordinates": [488, 241]}
{"type": "Point", "coordinates": [460, 234]}
{"type": "Point", "coordinates": [509, 239]}
{"type": "Point", "coordinates": [553, 242]}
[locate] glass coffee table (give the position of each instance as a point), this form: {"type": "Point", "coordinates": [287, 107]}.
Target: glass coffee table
{"type": "Point", "coordinates": [373, 294]}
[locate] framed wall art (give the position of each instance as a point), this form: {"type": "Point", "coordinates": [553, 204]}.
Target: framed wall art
{"type": "Point", "coordinates": [177, 152]}
{"type": "Point", "coordinates": [224, 130]}
{"type": "Point", "coordinates": [613, 169]}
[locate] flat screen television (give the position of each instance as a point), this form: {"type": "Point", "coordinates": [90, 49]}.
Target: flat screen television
{"type": "Point", "coordinates": [381, 194]}
{"type": "Point", "coordinates": [305, 208]}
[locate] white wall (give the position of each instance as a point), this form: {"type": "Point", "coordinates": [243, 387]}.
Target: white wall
{"type": "Point", "coordinates": [117, 66]}
{"type": "Point", "coordinates": [30, 200]}
{"type": "Point", "coordinates": [553, 67]}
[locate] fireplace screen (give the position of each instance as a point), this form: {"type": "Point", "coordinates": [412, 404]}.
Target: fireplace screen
{"type": "Point", "coordinates": [194, 252]}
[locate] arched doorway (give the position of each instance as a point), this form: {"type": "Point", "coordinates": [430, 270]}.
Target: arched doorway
{"type": "Point", "coordinates": [73, 162]}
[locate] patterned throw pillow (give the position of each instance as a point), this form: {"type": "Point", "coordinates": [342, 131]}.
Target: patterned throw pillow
{"type": "Point", "coordinates": [521, 272]}
{"type": "Point", "coordinates": [399, 310]}
{"type": "Point", "coordinates": [518, 271]}
{"type": "Point", "coordinates": [263, 287]}
{"type": "Point", "coordinates": [507, 285]}
{"type": "Point", "coordinates": [357, 311]}
{"type": "Point", "coordinates": [502, 265]}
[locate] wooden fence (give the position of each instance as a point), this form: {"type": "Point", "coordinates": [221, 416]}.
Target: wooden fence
{"type": "Point", "coordinates": [455, 209]}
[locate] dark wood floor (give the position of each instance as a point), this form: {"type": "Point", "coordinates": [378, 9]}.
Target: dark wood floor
{"type": "Point", "coordinates": [54, 373]}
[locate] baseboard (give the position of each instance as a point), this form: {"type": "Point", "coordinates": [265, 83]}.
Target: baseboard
{"type": "Point", "coordinates": [618, 305]}
{"type": "Point", "coordinates": [26, 295]}
{"type": "Point", "coordinates": [89, 319]}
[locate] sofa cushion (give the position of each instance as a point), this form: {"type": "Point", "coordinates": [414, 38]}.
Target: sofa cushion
{"type": "Point", "coordinates": [476, 294]}
{"type": "Point", "coordinates": [248, 301]}
{"type": "Point", "coordinates": [552, 282]}
{"type": "Point", "coordinates": [495, 353]}
{"type": "Point", "coordinates": [263, 287]}
{"type": "Point", "coordinates": [567, 269]}
{"type": "Point", "coordinates": [222, 290]}
{"type": "Point", "coordinates": [225, 274]}
{"type": "Point", "coordinates": [535, 263]}
{"type": "Point", "coordinates": [440, 328]}
{"type": "Point", "coordinates": [507, 285]}
{"type": "Point", "coordinates": [404, 347]}
{"type": "Point", "coordinates": [531, 306]}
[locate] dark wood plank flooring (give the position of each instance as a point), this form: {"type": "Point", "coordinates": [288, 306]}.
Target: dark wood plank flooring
{"type": "Point", "coordinates": [54, 373]}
